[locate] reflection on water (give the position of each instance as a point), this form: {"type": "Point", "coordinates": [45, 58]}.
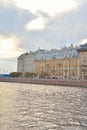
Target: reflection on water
{"type": "Point", "coordinates": [41, 107]}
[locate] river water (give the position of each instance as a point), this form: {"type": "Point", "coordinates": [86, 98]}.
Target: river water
{"type": "Point", "coordinates": [42, 107]}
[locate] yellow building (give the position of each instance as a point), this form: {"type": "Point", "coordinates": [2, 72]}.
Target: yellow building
{"type": "Point", "coordinates": [83, 61]}
{"type": "Point", "coordinates": [71, 68]}
{"type": "Point", "coordinates": [67, 68]}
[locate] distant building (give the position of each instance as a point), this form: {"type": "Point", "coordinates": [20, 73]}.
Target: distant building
{"type": "Point", "coordinates": [83, 60]}
{"type": "Point", "coordinates": [25, 62]}
{"type": "Point", "coordinates": [61, 64]}
{"type": "Point", "coordinates": [66, 63]}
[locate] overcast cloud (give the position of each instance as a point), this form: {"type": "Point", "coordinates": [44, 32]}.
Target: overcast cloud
{"type": "Point", "coordinates": [26, 25]}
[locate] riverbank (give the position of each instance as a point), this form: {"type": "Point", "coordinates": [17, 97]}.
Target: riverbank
{"type": "Point", "coordinates": [56, 82]}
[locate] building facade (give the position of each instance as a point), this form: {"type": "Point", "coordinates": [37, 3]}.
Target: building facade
{"type": "Point", "coordinates": [66, 63]}
{"type": "Point", "coordinates": [67, 68]}
{"type": "Point", "coordinates": [61, 64]}
{"type": "Point", "coordinates": [83, 61]}
{"type": "Point", "coordinates": [25, 62]}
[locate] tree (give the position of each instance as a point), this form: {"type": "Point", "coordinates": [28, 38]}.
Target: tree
{"type": "Point", "coordinates": [30, 75]}
{"type": "Point", "coordinates": [43, 75]}
{"type": "Point", "coordinates": [16, 74]}
{"type": "Point", "coordinates": [27, 74]}
{"type": "Point", "coordinates": [19, 74]}
{"type": "Point", "coordinates": [13, 74]}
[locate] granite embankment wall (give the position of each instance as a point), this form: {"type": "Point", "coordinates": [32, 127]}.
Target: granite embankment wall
{"type": "Point", "coordinates": [56, 82]}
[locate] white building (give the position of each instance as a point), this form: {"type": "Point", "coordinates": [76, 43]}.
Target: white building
{"type": "Point", "coordinates": [25, 62]}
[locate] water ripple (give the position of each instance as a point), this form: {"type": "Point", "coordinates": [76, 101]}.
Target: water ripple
{"type": "Point", "coordinates": [35, 107]}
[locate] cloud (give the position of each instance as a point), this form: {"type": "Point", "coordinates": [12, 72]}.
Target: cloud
{"type": "Point", "coordinates": [51, 7]}
{"type": "Point", "coordinates": [13, 21]}
{"type": "Point", "coordinates": [65, 28]}
{"type": "Point", "coordinates": [5, 2]}
{"type": "Point", "coordinates": [83, 41]}
{"type": "Point", "coordinates": [9, 46]}
{"type": "Point", "coordinates": [36, 24]}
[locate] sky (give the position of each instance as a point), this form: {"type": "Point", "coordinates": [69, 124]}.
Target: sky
{"type": "Point", "coordinates": [26, 25]}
